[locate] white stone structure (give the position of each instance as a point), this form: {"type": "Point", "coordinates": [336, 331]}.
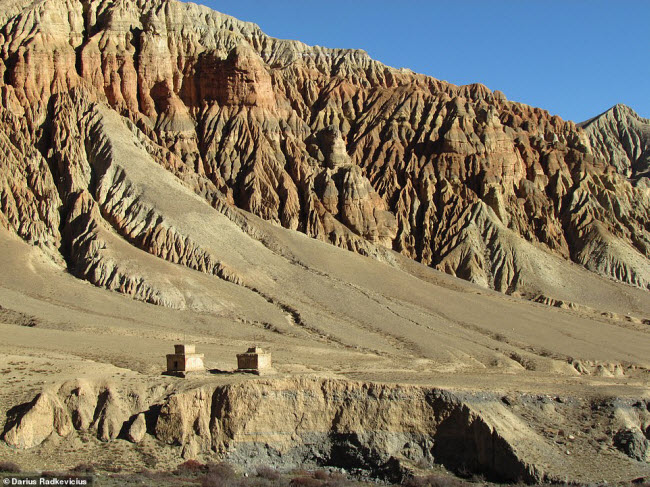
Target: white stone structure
{"type": "Point", "coordinates": [255, 359]}
{"type": "Point", "coordinates": [184, 359]}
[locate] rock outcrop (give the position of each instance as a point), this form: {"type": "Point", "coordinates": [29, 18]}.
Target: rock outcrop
{"type": "Point", "coordinates": [383, 429]}
{"type": "Point", "coordinates": [633, 443]}
{"type": "Point", "coordinates": [41, 418]}
{"type": "Point", "coordinates": [324, 141]}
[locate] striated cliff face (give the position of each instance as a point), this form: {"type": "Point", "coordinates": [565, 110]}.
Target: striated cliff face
{"type": "Point", "coordinates": [324, 141]}
{"type": "Point", "coordinates": [623, 138]}
{"type": "Point", "coordinates": [383, 429]}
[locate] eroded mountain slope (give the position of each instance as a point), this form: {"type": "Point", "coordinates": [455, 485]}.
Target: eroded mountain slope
{"type": "Point", "coordinates": [622, 137]}
{"type": "Point", "coordinates": [324, 141]}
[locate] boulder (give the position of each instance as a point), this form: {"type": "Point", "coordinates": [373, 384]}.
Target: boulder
{"type": "Point", "coordinates": [138, 429]}
{"type": "Point", "coordinates": [633, 443]}
{"type": "Point", "coordinates": [45, 416]}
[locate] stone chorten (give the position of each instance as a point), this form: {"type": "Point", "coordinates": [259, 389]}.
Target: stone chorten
{"type": "Point", "coordinates": [254, 360]}
{"type": "Point", "coordinates": [183, 360]}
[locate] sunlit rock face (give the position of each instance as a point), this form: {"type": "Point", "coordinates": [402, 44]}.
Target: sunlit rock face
{"type": "Point", "coordinates": [324, 141]}
{"type": "Point", "coordinates": [622, 137]}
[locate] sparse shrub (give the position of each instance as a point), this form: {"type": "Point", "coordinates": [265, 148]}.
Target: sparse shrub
{"type": "Point", "coordinates": [219, 475]}
{"type": "Point", "coordinates": [222, 469]}
{"type": "Point", "coordinates": [337, 480]}
{"type": "Point", "coordinates": [305, 482]}
{"type": "Point", "coordinates": [321, 475]}
{"type": "Point", "coordinates": [190, 466]}
{"type": "Point", "coordinates": [464, 471]}
{"type": "Point", "coordinates": [153, 475]}
{"type": "Point", "coordinates": [257, 482]}
{"type": "Point", "coordinates": [267, 472]}
{"type": "Point", "coordinates": [149, 460]}
{"type": "Point", "coordinates": [112, 468]}
{"type": "Point", "coordinates": [337, 476]}
{"type": "Point", "coordinates": [478, 478]}
{"type": "Point", "coordinates": [88, 468]}
{"type": "Point", "coordinates": [433, 481]}
{"type": "Point", "coordinates": [300, 472]}
{"type": "Point", "coordinates": [213, 480]}
{"type": "Point", "coordinates": [9, 467]}
{"type": "Point", "coordinates": [414, 482]}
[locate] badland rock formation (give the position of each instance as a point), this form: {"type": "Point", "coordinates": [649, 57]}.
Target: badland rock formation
{"type": "Point", "coordinates": [623, 138]}
{"type": "Point", "coordinates": [183, 158]}
{"type": "Point", "coordinates": [324, 141]}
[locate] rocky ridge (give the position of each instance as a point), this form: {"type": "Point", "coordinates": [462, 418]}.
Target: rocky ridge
{"type": "Point", "coordinates": [324, 141]}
